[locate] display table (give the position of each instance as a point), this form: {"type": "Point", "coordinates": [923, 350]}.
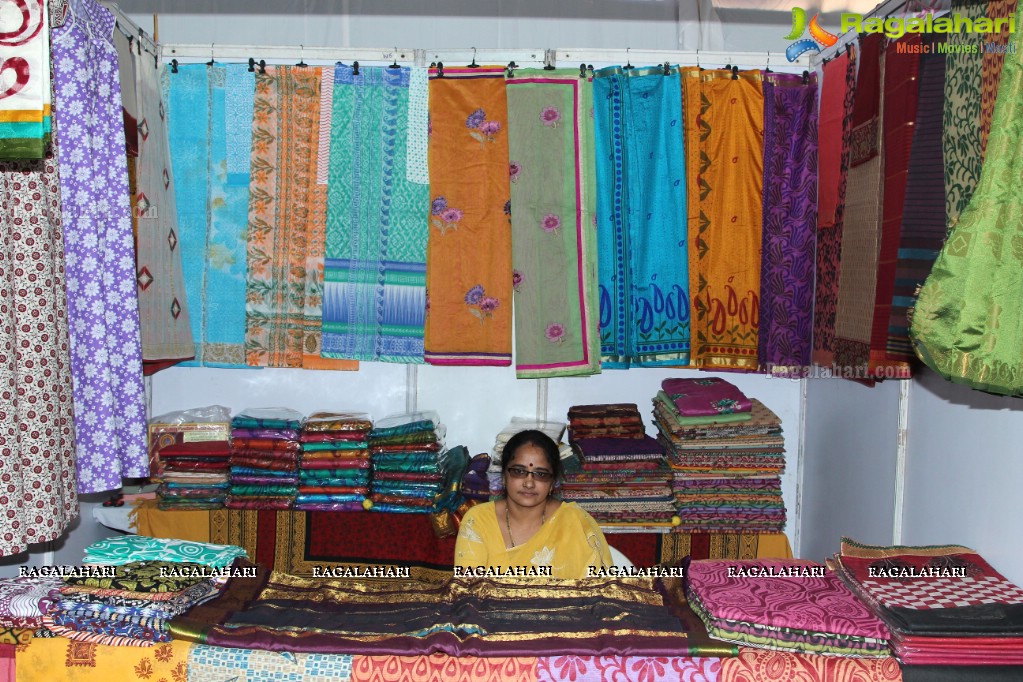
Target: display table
{"type": "Point", "coordinates": [296, 542]}
{"type": "Point", "coordinates": [57, 660]}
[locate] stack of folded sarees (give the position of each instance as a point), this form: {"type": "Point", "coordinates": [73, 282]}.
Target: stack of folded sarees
{"type": "Point", "coordinates": [189, 456]}
{"type": "Point", "coordinates": [334, 468]}
{"type": "Point", "coordinates": [785, 605]}
{"type": "Point", "coordinates": [408, 462]}
{"type": "Point", "coordinates": [132, 586]}
{"type": "Point", "coordinates": [264, 458]}
{"type": "Point", "coordinates": [726, 453]}
{"type": "Point", "coordinates": [621, 478]}
{"type": "Point", "coordinates": [945, 605]}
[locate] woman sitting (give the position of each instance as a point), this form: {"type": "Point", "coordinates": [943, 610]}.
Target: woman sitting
{"type": "Point", "coordinates": [529, 526]}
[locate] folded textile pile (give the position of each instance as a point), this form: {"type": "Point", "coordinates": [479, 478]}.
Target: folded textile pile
{"type": "Point", "coordinates": [264, 458]}
{"type": "Point", "coordinates": [408, 462]}
{"type": "Point", "coordinates": [478, 617]}
{"type": "Point", "coordinates": [189, 455]}
{"type": "Point", "coordinates": [334, 467]}
{"type": "Point", "coordinates": [23, 603]}
{"type": "Point", "coordinates": [130, 605]}
{"type": "Point", "coordinates": [621, 478]}
{"type": "Point", "coordinates": [726, 465]}
{"type": "Point", "coordinates": [785, 605]}
{"type": "Point", "coordinates": [124, 549]}
{"type": "Point", "coordinates": [610, 420]}
{"type": "Point", "coordinates": [945, 605]}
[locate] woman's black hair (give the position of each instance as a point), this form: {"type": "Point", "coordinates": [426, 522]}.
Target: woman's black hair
{"type": "Point", "coordinates": [537, 439]}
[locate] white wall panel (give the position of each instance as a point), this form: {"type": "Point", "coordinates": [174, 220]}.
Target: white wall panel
{"type": "Point", "coordinates": [849, 461]}
{"type": "Point", "coordinates": [377, 388]}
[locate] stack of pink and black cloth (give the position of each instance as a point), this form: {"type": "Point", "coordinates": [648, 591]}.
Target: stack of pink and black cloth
{"type": "Point", "coordinates": [334, 467]}
{"type": "Point", "coordinates": [621, 478]}
{"type": "Point", "coordinates": [784, 605]}
{"type": "Point", "coordinates": [409, 464]}
{"type": "Point", "coordinates": [726, 453]}
{"type": "Point", "coordinates": [264, 458]}
{"type": "Point", "coordinates": [952, 615]}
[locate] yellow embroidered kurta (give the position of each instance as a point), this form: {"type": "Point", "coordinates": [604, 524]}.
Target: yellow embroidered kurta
{"type": "Point", "coordinates": [568, 542]}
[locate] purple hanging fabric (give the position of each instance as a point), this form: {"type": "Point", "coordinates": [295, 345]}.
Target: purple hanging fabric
{"type": "Point", "coordinates": [106, 354]}
{"type": "Point", "coordinates": [790, 221]}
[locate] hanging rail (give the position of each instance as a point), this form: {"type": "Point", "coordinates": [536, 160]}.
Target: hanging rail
{"type": "Point", "coordinates": [524, 58]}
{"type": "Point", "coordinates": [285, 53]}
{"type": "Point", "coordinates": [744, 60]}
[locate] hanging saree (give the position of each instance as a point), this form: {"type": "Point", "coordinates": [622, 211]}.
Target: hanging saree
{"type": "Point", "coordinates": [212, 206]}
{"type": "Point", "coordinates": [992, 62]}
{"type": "Point", "coordinates": [861, 229]}
{"type": "Point", "coordinates": [25, 102]}
{"type": "Point", "coordinates": [163, 306]}
{"type": "Point", "coordinates": [789, 221]}
{"type": "Point", "coordinates": [37, 431]}
{"type": "Point", "coordinates": [923, 214]}
{"type": "Point", "coordinates": [554, 278]}
{"type": "Point", "coordinates": [901, 80]}
{"type": "Point", "coordinates": [829, 139]}
{"type": "Point", "coordinates": [964, 153]}
{"type": "Point", "coordinates": [724, 140]}
{"type": "Point", "coordinates": [641, 227]}
{"type": "Point", "coordinates": [837, 94]}
{"type": "Point", "coordinates": [967, 324]}
{"type": "Point", "coordinates": [468, 263]}
{"type": "Point", "coordinates": [375, 290]}
{"type": "Point", "coordinates": [316, 235]}
{"type": "Point", "coordinates": [283, 214]}
{"type": "Point", "coordinates": [103, 312]}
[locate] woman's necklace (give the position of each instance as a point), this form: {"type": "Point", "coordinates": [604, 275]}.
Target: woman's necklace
{"type": "Point", "coordinates": [507, 520]}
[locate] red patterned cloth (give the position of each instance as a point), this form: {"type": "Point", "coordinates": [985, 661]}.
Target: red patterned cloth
{"type": "Point", "coordinates": [440, 668]}
{"type": "Point", "coordinates": [757, 665]}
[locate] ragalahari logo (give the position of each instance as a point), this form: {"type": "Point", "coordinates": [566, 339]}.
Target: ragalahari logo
{"type": "Point", "coordinates": [819, 38]}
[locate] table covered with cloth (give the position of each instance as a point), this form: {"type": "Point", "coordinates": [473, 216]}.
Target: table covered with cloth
{"type": "Point", "coordinates": [297, 542]}
{"type": "Point", "coordinates": [61, 660]}
{"type": "Point", "coordinates": [507, 616]}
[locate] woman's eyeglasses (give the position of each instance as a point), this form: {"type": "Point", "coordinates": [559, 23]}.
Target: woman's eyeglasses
{"type": "Point", "coordinates": [521, 472]}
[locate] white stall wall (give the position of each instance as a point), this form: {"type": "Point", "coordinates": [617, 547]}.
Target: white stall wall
{"type": "Point", "coordinates": [849, 460]}
{"type": "Point", "coordinates": [964, 476]}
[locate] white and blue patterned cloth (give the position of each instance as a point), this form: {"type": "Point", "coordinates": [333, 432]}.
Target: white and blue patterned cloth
{"type": "Point", "coordinates": [220, 664]}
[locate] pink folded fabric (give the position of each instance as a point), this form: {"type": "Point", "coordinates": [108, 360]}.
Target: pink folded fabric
{"type": "Point", "coordinates": [706, 397]}
{"type": "Point", "coordinates": [762, 592]}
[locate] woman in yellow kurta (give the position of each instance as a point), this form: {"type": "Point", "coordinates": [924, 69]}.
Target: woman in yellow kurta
{"type": "Point", "coordinates": [529, 526]}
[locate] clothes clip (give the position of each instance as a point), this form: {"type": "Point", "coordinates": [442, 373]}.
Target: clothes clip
{"type": "Point", "coordinates": [252, 65]}
{"type": "Point", "coordinates": [806, 77]}
{"type": "Point", "coordinates": [667, 69]}
{"type": "Point", "coordinates": [510, 69]}
{"type": "Point", "coordinates": [174, 66]}
{"type": "Point", "coordinates": [355, 68]}
{"type": "Point", "coordinates": [395, 64]}
{"type": "Point", "coordinates": [735, 73]}
{"type": "Point", "coordinates": [582, 71]}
